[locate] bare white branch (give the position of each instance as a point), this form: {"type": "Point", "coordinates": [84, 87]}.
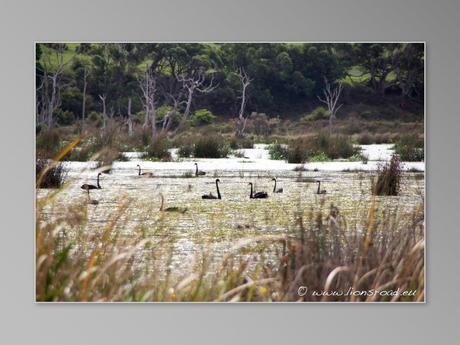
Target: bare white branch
{"type": "Point", "coordinates": [331, 97]}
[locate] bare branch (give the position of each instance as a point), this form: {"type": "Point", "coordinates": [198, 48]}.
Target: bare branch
{"type": "Point", "coordinates": [331, 97]}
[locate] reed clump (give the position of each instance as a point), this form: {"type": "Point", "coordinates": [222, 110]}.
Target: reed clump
{"type": "Point", "coordinates": [336, 261]}
{"type": "Point", "coordinates": [49, 174]}
{"type": "Point", "coordinates": [389, 178]}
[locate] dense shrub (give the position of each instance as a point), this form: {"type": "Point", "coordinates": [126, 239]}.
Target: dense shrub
{"type": "Point", "coordinates": [102, 145]}
{"type": "Point", "coordinates": [202, 117]}
{"type": "Point", "coordinates": [259, 124]}
{"type": "Point", "coordinates": [64, 117]}
{"type": "Point", "coordinates": [53, 176]}
{"type": "Point", "coordinates": [365, 138]}
{"type": "Point", "coordinates": [158, 149]}
{"type": "Point", "coordinates": [185, 143]}
{"type": "Point", "coordinates": [410, 148]}
{"type": "Point", "coordinates": [334, 146]}
{"type": "Point", "coordinates": [211, 146]}
{"type": "Point", "coordinates": [185, 151]}
{"type": "Point", "coordinates": [319, 113]}
{"type": "Point", "coordinates": [48, 144]}
{"type": "Point", "coordinates": [319, 157]}
{"type": "Point", "coordinates": [245, 142]}
{"type": "Point", "coordinates": [389, 177]}
{"type": "Point", "coordinates": [358, 157]}
{"type": "Point", "coordinates": [323, 147]}
{"type": "Point", "coordinates": [298, 152]}
{"type": "Point", "coordinates": [382, 138]}
{"type": "Point", "coordinates": [96, 118]}
{"type": "Point", "coordinates": [107, 155]}
{"type": "Point", "coordinates": [277, 151]}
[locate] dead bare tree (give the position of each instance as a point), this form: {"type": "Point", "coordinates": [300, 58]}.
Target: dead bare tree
{"type": "Point", "coordinates": [130, 118]}
{"type": "Point", "coordinates": [148, 85]}
{"type": "Point", "coordinates": [103, 99]}
{"type": "Point", "coordinates": [40, 105]}
{"type": "Point", "coordinates": [194, 84]}
{"type": "Point", "coordinates": [83, 106]}
{"type": "Point", "coordinates": [52, 84]}
{"type": "Point", "coordinates": [245, 82]}
{"type": "Point", "coordinates": [171, 115]}
{"type": "Point", "coordinates": [331, 97]}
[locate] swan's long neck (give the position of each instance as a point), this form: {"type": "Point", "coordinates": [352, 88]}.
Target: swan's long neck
{"type": "Point", "coordinates": [274, 187]}
{"type": "Point", "coordinates": [196, 169]}
{"type": "Point", "coordinates": [139, 167]}
{"type": "Point", "coordinates": [218, 192]}
{"type": "Point", "coordinates": [162, 203]}
{"type": "Point", "coordinates": [250, 195]}
{"type": "Point", "coordinates": [98, 185]}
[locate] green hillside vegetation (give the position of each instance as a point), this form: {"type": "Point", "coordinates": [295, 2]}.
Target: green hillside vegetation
{"type": "Point", "coordinates": [381, 97]}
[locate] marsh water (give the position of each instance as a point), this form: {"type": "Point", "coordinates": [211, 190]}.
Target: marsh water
{"type": "Point", "coordinates": [216, 225]}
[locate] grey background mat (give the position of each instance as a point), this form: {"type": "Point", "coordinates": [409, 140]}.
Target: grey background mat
{"type": "Point", "coordinates": [24, 322]}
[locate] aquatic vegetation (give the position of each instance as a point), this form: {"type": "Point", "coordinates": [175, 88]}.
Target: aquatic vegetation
{"type": "Point", "coordinates": [389, 178]}
{"type": "Point", "coordinates": [48, 174]}
{"type": "Point", "coordinates": [410, 148]}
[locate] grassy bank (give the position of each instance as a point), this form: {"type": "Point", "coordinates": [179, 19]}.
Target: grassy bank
{"type": "Point", "coordinates": [307, 139]}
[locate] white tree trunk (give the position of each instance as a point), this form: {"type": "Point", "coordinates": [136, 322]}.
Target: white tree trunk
{"type": "Point", "coordinates": [245, 82]}
{"type": "Point", "coordinates": [54, 101]}
{"type": "Point", "coordinates": [153, 120]}
{"type": "Point", "coordinates": [83, 106]}
{"type": "Point", "coordinates": [189, 103]}
{"type": "Point", "coordinates": [331, 97]}
{"type": "Point", "coordinates": [104, 110]}
{"type": "Point", "coordinates": [130, 118]}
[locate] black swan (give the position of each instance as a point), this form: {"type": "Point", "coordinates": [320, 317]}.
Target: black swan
{"type": "Point", "coordinates": [320, 191]}
{"type": "Point", "coordinates": [257, 195]}
{"type": "Point", "coordinates": [171, 209]}
{"type": "Point", "coordinates": [198, 172]}
{"type": "Point", "coordinates": [144, 174]}
{"type": "Point", "coordinates": [91, 201]}
{"type": "Point", "coordinates": [279, 190]}
{"type": "Point", "coordinates": [87, 187]}
{"type": "Point", "coordinates": [210, 195]}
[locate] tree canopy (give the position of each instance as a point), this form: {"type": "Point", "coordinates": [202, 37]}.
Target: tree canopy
{"type": "Point", "coordinates": [282, 75]}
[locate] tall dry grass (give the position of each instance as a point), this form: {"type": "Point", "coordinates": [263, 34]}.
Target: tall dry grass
{"type": "Point", "coordinates": [382, 251]}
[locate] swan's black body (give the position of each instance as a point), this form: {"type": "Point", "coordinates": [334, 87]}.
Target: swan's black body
{"type": "Point", "coordinates": [199, 172]}
{"type": "Point", "coordinates": [320, 191]}
{"type": "Point", "coordinates": [257, 195]}
{"type": "Point", "coordinates": [87, 187]}
{"type": "Point", "coordinates": [279, 190]}
{"type": "Point", "coordinates": [212, 196]}
{"type": "Point", "coordinates": [145, 174]}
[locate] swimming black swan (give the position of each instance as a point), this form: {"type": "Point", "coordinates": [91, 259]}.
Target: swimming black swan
{"type": "Point", "coordinates": [145, 174]}
{"type": "Point", "coordinates": [171, 209]}
{"type": "Point", "coordinates": [87, 187]}
{"type": "Point", "coordinates": [210, 195]}
{"type": "Point", "coordinates": [279, 190]}
{"type": "Point", "coordinates": [320, 191]}
{"type": "Point", "coordinates": [257, 195]}
{"type": "Point", "coordinates": [198, 172]}
{"type": "Point", "coordinates": [91, 201]}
